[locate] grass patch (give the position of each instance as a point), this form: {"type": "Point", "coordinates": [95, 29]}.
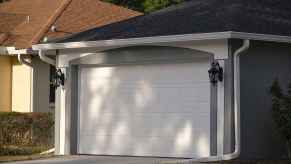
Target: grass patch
{"type": "Point", "coordinates": [22, 150]}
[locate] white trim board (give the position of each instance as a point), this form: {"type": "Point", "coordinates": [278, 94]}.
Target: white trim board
{"type": "Point", "coordinates": [163, 39]}
{"type": "Point", "coordinates": [12, 51]}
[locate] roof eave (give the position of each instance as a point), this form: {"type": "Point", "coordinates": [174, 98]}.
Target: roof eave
{"type": "Point", "coordinates": [133, 41]}
{"type": "Point", "coordinates": [9, 50]}
{"type": "Point", "coordinates": [163, 39]}
{"type": "Point", "coordinates": [261, 37]}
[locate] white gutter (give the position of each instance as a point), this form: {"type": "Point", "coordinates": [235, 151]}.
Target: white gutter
{"type": "Point", "coordinates": [46, 59]}
{"type": "Point", "coordinates": [164, 39]}
{"type": "Point", "coordinates": [133, 41]}
{"type": "Point", "coordinates": [261, 37]}
{"type": "Point", "coordinates": [19, 53]}
{"type": "Point", "coordinates": [237, 127]}
{"type": "Point", "coordinates": [13, 51]}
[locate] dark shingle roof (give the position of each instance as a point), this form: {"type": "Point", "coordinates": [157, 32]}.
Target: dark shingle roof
{"type": "Point", "coordinates": [200, 16]}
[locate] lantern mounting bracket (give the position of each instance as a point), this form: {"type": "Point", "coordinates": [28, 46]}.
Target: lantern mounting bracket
{"type": "Point", "coordinates": [59, 78]}
{"type": "Point", "coordinates": [215, 73]}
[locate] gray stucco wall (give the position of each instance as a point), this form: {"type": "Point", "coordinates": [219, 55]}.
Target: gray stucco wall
{"type": "Point", "coordinates": [40, 85]}
{"type": "Point", "coordinates": [260, 65]}
{"type": "Point", "coordinates": [228, 101]}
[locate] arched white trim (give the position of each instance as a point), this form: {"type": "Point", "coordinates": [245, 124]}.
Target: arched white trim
{"type": "Point", "coordinates": [219, 48]}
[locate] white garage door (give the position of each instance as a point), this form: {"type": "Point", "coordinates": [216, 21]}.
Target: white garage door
{"type": "Point", "coordinates": [145, 110]}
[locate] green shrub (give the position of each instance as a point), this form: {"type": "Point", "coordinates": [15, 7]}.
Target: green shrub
{"type": "Point", "coordinates": [281, 106]}
{"type": "Point", "coordinates": [25, 133]}
{"type": "Point", "coordinates": [145, 5]}
{"type": "Point", "coordinates": [21, 150]}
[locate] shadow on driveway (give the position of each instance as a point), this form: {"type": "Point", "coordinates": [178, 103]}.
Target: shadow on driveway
{"type": "Point", "coordinates": [83, 159]}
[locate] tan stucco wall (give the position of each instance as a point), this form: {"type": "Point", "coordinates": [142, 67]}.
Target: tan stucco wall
{"type": "Point", "coordinates": [21, 87]}
{"type": "Point", "coordinates": [5, 87]}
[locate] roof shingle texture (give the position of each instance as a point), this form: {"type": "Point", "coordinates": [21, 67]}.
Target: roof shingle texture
{"type": "Point", "coordinates": [200, 16]}
{"type": "Point", "coordinates": [27, 22]}
{"type": "Point", "coordinates": [21, 19]}
{"type": "Point", "coordinates": [82, 15]}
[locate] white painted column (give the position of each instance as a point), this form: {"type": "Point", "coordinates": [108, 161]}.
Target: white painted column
{"type": "Point", "coordinates": [60, 119]}
{"type": "Point", "coordinates": [220, 114]}
{"type": "Point", "coordinates": [62, 116]}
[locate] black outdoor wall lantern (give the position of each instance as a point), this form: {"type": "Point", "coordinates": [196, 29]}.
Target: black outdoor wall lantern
{"type": "Point", "coordinates": [59, 78]}
{"type": "Point", "coordinates": [215, 73]}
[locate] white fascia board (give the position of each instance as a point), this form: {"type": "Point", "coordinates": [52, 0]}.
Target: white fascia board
{"type": "Point", "coordinates": [14, 51]}
{"type": "Point", "coordinates": [261, 37]}
{"type": "Point", "coordinates": [9, 51]}
{"type": "Point", "coordinates": [163, 39]}
{"type": "Point", "coordinates": [133, 41]}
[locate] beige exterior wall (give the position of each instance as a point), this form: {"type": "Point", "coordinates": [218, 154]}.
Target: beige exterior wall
{"type": "Point", "coordinates": [5, 87]}
{"type": "Point", "coordinates": [24, 89]}
{"type": "Point", "coordinates": [21, 87]}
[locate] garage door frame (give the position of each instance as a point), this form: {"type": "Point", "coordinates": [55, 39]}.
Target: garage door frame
{"type": "Point", "coordinates": [97, 59]}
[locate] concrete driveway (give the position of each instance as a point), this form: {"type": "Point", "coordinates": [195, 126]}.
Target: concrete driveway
{"type": "Point", "coordinates": [82, 159]}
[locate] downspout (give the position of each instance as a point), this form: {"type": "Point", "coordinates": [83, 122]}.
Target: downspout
{"type": "Point", "coordinates": [48, 151]}
{"type": "Point", "coordinates": [19, 53]}
{"type": "Point", "coordinates": [237, 123]}
{"type": "Point", "coordinates": [237, 126]}
{"type": "Point", "coordinates": [46, 59]}
{"type": "Point", "coordinates": [21, 60]}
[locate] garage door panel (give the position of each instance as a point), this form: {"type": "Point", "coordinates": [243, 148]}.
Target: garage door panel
{"type": "Point", "coordinates": [145, 110]}
{"type": "Point", "coordinates": [187, 109]}
{"type": "Point", "coordinates": [140, 80]}
{"type": "Point", "coordinates": [155, 101]}
{"type": "Point", "coordinates": [148, 146]}
{"type": "Point", "coordinates": [131, 124]}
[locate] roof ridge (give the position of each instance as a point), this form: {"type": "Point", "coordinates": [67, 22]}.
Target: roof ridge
{"type": "Point", "coordinates": [50, 21]}
{"type": "Point", "coordinates": [121, 7]}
